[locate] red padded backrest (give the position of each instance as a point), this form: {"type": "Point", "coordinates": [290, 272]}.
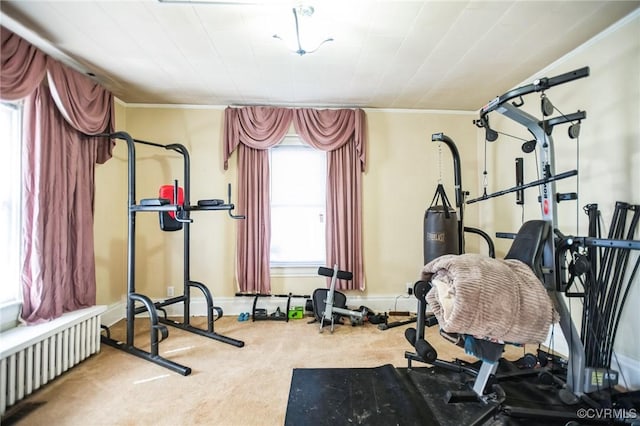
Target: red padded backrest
{"type": "Point", "coordinates": [166, 192]}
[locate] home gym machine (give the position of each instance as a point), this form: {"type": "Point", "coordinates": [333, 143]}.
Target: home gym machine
{"type": "Point", "coordinates": [560, 262]}
{"type": "Point", "coordinates": [179, 219]}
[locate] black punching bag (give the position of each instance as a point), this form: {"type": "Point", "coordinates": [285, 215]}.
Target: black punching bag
{"type": "Point", "coordinates": [441, 232]}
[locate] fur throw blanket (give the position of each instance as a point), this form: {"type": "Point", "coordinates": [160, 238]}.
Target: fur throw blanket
{"type": "Point", "coordinates": [500, 299]}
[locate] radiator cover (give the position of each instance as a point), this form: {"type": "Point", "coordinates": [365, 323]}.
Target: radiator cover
{"type": "Point", "coordinates": [32, 356]}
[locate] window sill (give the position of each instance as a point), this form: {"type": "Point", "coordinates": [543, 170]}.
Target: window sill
{"type": "Point", "coordinates": [9, 313]}
{"type": "Point", "coordinates": [294, 271]}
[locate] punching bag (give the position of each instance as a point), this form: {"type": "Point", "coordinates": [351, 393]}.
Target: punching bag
{"type": "Point", "coordinates": [441, 232]}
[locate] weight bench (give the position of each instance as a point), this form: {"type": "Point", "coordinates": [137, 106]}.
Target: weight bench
{"type": "Point", "coordinates": [527, 247]}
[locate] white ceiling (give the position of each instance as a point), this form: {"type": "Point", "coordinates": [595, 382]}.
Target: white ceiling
{"type": "Point", "coordinates": [452, 55]}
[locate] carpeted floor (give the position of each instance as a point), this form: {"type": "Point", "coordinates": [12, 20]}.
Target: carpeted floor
{"type": "Point", "coordinates": [227, 386]}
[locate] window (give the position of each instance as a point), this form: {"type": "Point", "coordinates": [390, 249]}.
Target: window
{"type": "Point", "coordinates": [10, 191]}
{"type": "Point", "coordinates": [298, 204]}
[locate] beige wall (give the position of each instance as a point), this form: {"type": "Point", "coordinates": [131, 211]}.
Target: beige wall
{"type": "Point", "coordinates": [399, 184]}
{"type": "Point", "coordinates": [110, 222]}
{"type": "Point", "coordinates": [402, 171]}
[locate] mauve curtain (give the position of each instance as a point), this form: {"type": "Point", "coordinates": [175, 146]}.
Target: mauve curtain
{"type": "Point", "coordinates": [58, 272]}
{"type": "Point", "coordinates": [23, 67]}
{"type": "Point", "coordinates": [342, 134]}
{"type": "Point", "coordinates": [253, 130]}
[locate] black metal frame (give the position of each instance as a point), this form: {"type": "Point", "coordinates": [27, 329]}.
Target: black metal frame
{"type": "Point", "coordinates": [460, 196]}
{"type": "Point", "coordinates": [158, 331]}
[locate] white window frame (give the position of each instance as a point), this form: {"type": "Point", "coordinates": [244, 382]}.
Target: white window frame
{"type": "Point", "coordinates": [11, 177]}
{"type": "Point", "coordinates": [296, 268]}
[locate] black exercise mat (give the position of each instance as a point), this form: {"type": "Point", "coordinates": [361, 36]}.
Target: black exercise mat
{"type": "Point", "coordinates": [353, 396]}
{"type": "Point", "coordinates": [389, 396]}
{"type": "Point", "coordinates": [433, 384]}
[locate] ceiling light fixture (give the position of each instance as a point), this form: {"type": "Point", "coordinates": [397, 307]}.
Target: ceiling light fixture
{"type": "Point", "coordinates": [305, 12]}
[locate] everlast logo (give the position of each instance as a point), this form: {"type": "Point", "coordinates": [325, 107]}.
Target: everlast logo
{"type": "Point", "coordinates": [439, 236]}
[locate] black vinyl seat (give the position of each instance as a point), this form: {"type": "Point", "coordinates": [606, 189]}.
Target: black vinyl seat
{"type": "Point", "coordinates": [319, 298]}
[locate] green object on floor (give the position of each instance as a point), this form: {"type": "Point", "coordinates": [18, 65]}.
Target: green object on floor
{"type": "Point", "coordinates": [297, 312]}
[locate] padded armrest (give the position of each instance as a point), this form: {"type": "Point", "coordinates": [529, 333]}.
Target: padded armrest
{"type": "Point", "coordinates": [154, 202]}
{"type": "Point", "coordinates": [208, 203]}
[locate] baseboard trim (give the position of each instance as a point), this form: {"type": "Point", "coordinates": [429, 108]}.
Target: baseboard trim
{"type": "Point", "coordinates": [114, 313]}
{"type": "Point", "coordinates": [236, 305]}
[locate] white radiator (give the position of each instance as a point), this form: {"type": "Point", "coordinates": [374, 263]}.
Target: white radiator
{"type": "Point", "coordinates": [32, 356]}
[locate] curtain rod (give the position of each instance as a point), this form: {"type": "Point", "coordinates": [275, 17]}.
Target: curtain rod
{"type": "Point", "coordinates": [297, 106]}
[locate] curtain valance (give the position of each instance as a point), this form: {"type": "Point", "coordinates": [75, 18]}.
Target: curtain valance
{"type": "Point", "coordinates": [330, 129]}
{"type": "Point", "coordinates": [261, 127]}
{"type": "Point", "coordinates": [23, 66]}
{"type": "Point", "coordinates": [85, 104]}
{"type": "Point", "coordinates": [256, 127]}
